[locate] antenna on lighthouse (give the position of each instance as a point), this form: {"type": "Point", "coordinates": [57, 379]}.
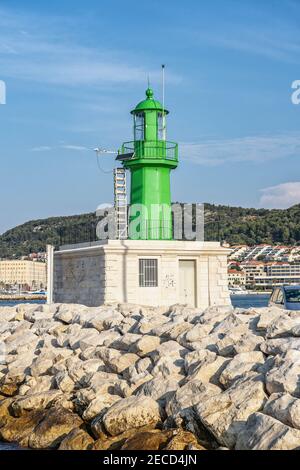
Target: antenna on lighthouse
{"type": "Point", "coordinates": [163, 101]}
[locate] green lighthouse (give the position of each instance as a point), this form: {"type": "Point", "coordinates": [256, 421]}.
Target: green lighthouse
{"type": "Point", "coordinates": [150, 158]}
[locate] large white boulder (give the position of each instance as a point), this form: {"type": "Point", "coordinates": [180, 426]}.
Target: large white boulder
{"type": "Point", "coordinates": [131, 413]}
{"type": "Point", "coordinates": [285, 408]}
{"type": "Point", "coordinates": [225, 414]}
{"type": "Point", "coordinates": [263, 432]}
{"type": "Point", "coordinates": [284, 375]}
{"type": "Point", "coordinates": [239, 365]}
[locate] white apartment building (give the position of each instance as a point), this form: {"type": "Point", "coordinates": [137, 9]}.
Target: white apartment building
{"type": "Point", "coordinates": [23, 273]}
{"type": "Point", "coordinates": [236, 278]}
{"type": "Point", "coordinates": [253, 270]}
{"type": "Point", "coordinates": [266, 252]}
{"type": "Point", "coordinates": [279, 274]}
{"type": "Point", "coordinates": [237, 252]}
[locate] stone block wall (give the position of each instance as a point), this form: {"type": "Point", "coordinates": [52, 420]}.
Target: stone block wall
{"type": "Point", "coordinates": [109, 273]}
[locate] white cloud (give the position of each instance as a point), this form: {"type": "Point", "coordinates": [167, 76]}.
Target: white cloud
{"type": "Point", "coordinates": [257, 149]}
{"type": "Point", "coordinates": [41, 148]}
{"type": "Point", "coordinates": [47, 148]}
{"type": "Point", "coordinates": [78, 148]}
{"type": "Point", "coordinates": [281, 196]}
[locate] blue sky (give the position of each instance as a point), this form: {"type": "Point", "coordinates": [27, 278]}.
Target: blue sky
{"type": "Point", "coordinates": [74, 69]}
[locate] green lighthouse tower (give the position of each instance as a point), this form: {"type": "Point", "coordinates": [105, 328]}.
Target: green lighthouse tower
{"type": "Point", "coordinates": [150, 159]}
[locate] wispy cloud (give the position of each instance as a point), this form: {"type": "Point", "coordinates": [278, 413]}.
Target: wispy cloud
{"type": "Point", "coordinates": [47, 148]}
{"type": "Point", "coordinates": [256, 149]}
{"type": "Point", "coordinates": [45, 55]}
{"type": "Point", "coordinates": [41, 148]}
{"type": "Point", "coordinates": [281, 196]}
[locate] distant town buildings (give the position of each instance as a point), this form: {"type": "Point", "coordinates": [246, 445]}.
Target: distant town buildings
{"type": "Point", "coordinates": [262, 267]}
{"type": "Point", "coordinates": [24, 273]}
{"type": "Point", "coordinates": [265, 253]}
{"type": "Point", "coordinates": [236, 278]}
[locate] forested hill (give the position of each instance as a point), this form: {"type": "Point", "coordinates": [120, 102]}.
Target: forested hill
{"type": "Point", "coordinates": [236, 225]}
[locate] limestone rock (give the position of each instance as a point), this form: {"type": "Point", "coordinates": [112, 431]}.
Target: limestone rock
{"type": "Point", "coordinates": [183, 440]}
{"type": "Point", "coordinates": [37, 384]}
{"type": "Point", "coordinates": [84, 338]}
{"type": "Point", "coordinates": [239, 365]}
{"type": "Point", "coordinates": [132, 412]}
{"type": "Point", "coordinates": [263, 432]}
{"type": "Point", "coordinates": [145, 345]}
{"type": "Point", "coordinates": [267, 316]}
{"type": "Point", "coordinates": [285, 408]}
{"type": "Point", "coordinates": [105, 442]}
{"type": "Point", "coordinates": [15, 341]}
{"type": "Point", "coordinates": [148, 440]}
{"type": "Point", "coordinates": [64, 382]}
{"type": "Point", "coordinates": [283, 326]}
{"type": "Point", "coordinates": [121, 363]}
{"type": "Point", "coordinates": [55, 426]}
{"type": "Point", "coordinates": [190, 394]}
{"type": "Point", "coordinates": [66, 312]}
{"type": "Point", "coordinates": [98, 405]}
{"type": "Point", "coordinates": [197, 332]}
{"type": "Point", "coordinates": [146, 325]}
{"type": "Point", "coordinates": [20, 429]}
{"type": "Point", "coordinates": [168, 366]}
{"type": "Point", "coordinates": [4, 410]}
{"type": "Point", "coordinates": [158, 389]}
{"type": "Point", "coordinates": [210, 372]}
{"type": "Point", "coordinates": [198, 358]}
{"type": "Point", "coordinates": [248, 342]}
{"type": "Point", "coordinates": [125, 342]}
{"type": "Point", "coordinates": [224, 414]}
{"type": "Point", "coordinates": [37, 401]}
{"type": "Point", "coordinates": [168, 349]}
{"type": "Point", "coordinates": [284, 376]}
{"type": "Point", "coordinates": [78, 439]}
{"type": "Point", "coordinates": [280, 345]}
{"type": "Point", "coordinates": [225, 345]}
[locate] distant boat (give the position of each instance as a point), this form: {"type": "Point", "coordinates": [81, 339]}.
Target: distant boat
{"type": "Point", "coordinates": [38, 292]}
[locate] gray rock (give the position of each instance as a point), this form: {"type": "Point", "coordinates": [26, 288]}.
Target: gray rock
{"type": "Point", "coordinates": [285, 408]}
{"type": "Point", "coordinates": [131, 413]}
{"type": "Point", "coordinates": [283, 326]}
{"type": "Point", "coordinates": [284, 376]}
{"type": "Point", "coordinates": [280, 345]}
{"type": "Point", "coordinates": [262, 432]}
{"type": "Point", "coordinates": [239, 365]}
{"type": "Point", "coordinates": [225, 414]}
{"type": "Point", "coordinates": [159, 390]}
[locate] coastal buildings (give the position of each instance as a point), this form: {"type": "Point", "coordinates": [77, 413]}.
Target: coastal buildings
{"type": "Point", "coordinates": [24, 273]}
{"type": "Point", "coordinates": [236, 278]}
{"type": "Point", "coordinates": [263, 275]}
{"type": "Point", "coordinates": [264, 252]}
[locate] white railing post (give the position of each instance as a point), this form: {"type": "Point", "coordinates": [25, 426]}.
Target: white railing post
{"type": "Point", "coordinates": [50, 259]}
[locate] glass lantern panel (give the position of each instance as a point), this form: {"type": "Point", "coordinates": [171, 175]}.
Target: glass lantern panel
{"type": "Point", "coordinates": [161, 127]}
{"type": "Point", "coordinates": [139, 126]}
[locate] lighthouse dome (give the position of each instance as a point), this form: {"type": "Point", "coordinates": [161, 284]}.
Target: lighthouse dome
{"type": "Point", "coordinates": [149, 104]}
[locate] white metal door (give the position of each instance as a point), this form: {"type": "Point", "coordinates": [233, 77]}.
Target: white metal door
{"type": "Point", "coordinates": [187, 282]}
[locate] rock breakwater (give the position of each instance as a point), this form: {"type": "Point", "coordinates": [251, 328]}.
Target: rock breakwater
{"type": "Point", "coordinates": [125, 376]}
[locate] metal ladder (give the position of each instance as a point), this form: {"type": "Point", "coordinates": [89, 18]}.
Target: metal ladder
{"type": "Point", "coordinates": [120, 203]}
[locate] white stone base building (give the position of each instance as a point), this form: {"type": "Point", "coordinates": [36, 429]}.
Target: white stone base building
{"type": "Point", "coordinates": [156, 273]}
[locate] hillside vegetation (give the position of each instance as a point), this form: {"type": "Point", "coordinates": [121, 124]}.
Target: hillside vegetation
{"type": "Point", "coordinates": [236, 225]}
